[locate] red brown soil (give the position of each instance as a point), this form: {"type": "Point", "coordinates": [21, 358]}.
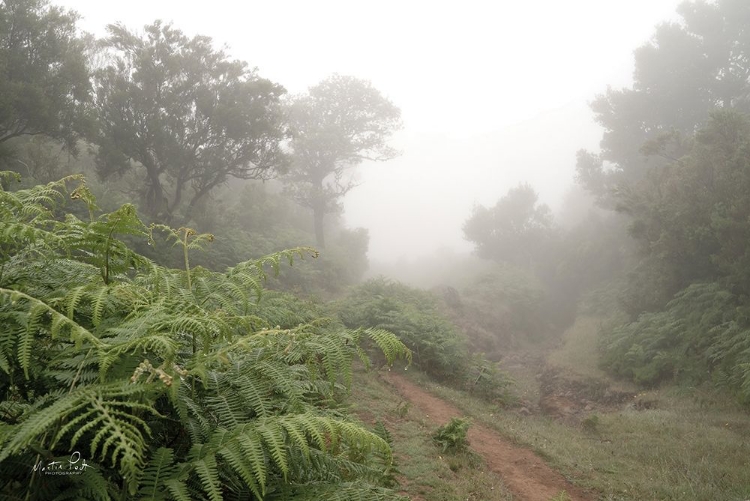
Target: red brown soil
{"type": "Point", "coordinates": [526, 475]}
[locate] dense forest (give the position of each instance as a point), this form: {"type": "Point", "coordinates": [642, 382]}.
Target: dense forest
{"type": "Point", "coordinates": [183, 307]}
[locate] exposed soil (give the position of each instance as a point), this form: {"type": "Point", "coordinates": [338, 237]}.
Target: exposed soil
{"type": "Point", "coordinates": [570, 398]}
{"type": "Point", "coordinates": [526, 475]}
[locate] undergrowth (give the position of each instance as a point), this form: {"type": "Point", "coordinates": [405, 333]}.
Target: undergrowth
{"type": "Point", "coordinates": [426, 472]}
{"type": "Point", "coordinates": [451, 437]}
{"type": "Point", "coordinates": [167, 383]}
{"type": "Point", "coordinates": [694, 445]}
{"type": "Point", "coordinates": [414, 316]}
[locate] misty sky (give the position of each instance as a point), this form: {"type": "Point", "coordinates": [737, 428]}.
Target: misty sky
{"type": "Point", "coordinates": [492, 93]}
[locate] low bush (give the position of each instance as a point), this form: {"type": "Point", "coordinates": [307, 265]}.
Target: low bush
{"type": "Point", "coordinates": [416, 318]}
{"type": "Point", "coordinates": [167, 383]}
{"type": "Point", "coordinates": [451, 437]}
{"type": "Point", "coordinates": [703, 333]}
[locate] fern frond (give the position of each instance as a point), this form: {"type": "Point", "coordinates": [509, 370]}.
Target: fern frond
{"type": "Point", "coordinates": [90, 484]}
{"type": "Point", "coordinates": [108, 412]}
{"type": "Point", "coordinates": [73, 298]}
{"type": "Point", "coordinates": [390, 345]}
{"type": "Point", "coordinates": [37, 311]}
{"type": "Point", "coordinates": [23, 234]}
{"type": "Point", "coordinates": [272, 260]}
{"type": "Point", "coordinates": [203, 460]}
{"type": "Point", "coordinates": [158, 473]}
{"type": "Point", "coordinates": [162, 346]}
{"type": "Point", "coordinates": [235, 456]}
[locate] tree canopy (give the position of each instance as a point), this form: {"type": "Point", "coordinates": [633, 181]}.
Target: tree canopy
{"type": "Point", "coordinates": [44, 79]}
{"type": "Point", "coordinates": [338, 124]}
{"type": "Point", "coordinates": [674, 160]}
{"type": "Point", "coordinates": [184, 116]}
{"type": "Point", "coordinates": [688, 68]}
{"type": "Point", "coordinates": [513, 230]}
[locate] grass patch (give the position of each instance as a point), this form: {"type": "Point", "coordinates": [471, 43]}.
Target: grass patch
{"type": "Point", "coordinates": [682, 450]}
{"type": "Point", "coordinates": [579, 352]}
{"type": "Point", "coordinates": [694, 444]}
{"type": "Point", "coordinates": [428, 472]}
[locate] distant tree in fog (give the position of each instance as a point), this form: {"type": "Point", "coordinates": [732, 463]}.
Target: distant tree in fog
{"type": "Point", "coordinates": [184, 116]}
{"type": "Point", "coordinates": [44, 80]}
{"type": "Point", "coordinates": [339, 123]}
{"type": "Point", "coordinates": [688, 68]}
{"type": "Point", "coordinates": [514, 230]}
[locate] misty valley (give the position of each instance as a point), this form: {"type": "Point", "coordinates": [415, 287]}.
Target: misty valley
{"type": "Point", "coordinates": [188, 313]}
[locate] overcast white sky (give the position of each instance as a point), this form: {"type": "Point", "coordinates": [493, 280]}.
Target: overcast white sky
{"type": "Point", "coordinates": [493, 93]}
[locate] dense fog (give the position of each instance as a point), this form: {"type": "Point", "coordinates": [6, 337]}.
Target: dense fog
{"type": "Point", "coordinates": [492, 95]}
{"type": "Point", "coordinates": [376, 251]}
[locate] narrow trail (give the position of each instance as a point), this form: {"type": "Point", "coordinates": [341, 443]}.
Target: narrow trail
{"type": "Point", "coordinates": [525, 474]}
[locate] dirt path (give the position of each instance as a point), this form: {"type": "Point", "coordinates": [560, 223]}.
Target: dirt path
{"type": "Point", "coordinates": [526, 475]}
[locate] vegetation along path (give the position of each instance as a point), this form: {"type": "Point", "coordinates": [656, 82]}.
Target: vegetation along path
{"type": "Point", "coordinates": [525, 474]}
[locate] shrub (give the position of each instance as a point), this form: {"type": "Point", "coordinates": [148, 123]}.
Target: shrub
{"type": "Point", "coordinates": [704, 332]}
{"type": "Point", "coordinates": [414, 317]}
{"type": "Point", "coordinates": [173, 384]}
{"type": "Point", "coordinates": [451, 437]}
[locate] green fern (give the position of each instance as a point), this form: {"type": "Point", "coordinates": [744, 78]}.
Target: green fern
{"type": "Point", "coordinates": [103, 415]}
{"type": "Point", "coordinates": [179, 384]}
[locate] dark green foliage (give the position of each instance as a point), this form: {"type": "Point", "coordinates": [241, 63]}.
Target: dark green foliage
{"type": "Point", "coordinates": [541, 269]}
{"type": "Point", "coordinates": [250, 220]}
{"type": "Point", "coordinates": [704, 331]}
{"type": "Point", "coordinates": [451, 437]}
{"type": "Point", "coordinates": [513, 231]}
{"type": "Point", "coordinates": [415, 317]}
{"type": "Point", "coordinates": [184, 116]}
{"type": "Point", "coordinates": [503, 308]}
{"type": "Point", "coordinates": [675, 158]}
{"type": "Point", "coordinates": [687, 69]}
{"type": "Point", "coordinates": [173, 384]}
{"type": "Point", "coordinates": [690, 220]}
{"type": "Point", "coordinates": [390, 475]}
{"type": "Point", "coordinates": [484, 378]}
{"type": "Point", "coordinates": [44, 79]}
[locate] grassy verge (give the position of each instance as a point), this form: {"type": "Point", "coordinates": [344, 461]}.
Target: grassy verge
{"type": "Point", "coordinates": [578, 352]}
{"type": "Point", "coordinates": [426, 472]}
{"type": "Point", "coordinates": [693, 445]}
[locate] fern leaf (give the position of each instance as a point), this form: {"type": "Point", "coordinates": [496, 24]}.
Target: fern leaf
{"type": "Point", "coordinates": [273, 440]}
{"type": "Point", "coordinates": [99, 301]}
{"type": "Point", "coordinates": [390, 345]}
{"type": "Point", "coordinates": [234, 456]}
{"type": "Point", "coordinates": [205, 466]}
{"type": "Point", "coordinates": [177, 489]}
{"type": "Point", "coordinates": [158, 471]}
{"type": "Point", "coordinates": [252, 448]}
{"type": "Point", "coordinates": [73, 298]}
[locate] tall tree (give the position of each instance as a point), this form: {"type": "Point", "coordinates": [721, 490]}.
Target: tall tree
{"type": "Point", "coordinates": [512, 231]}
{"type": "Point", "coordinates": [183, 115]}
{"type": "Point", "coordinates": [44, 79]}
{"type": "Point", "coordinates": [339, 123]}
{"type": "Point", "coordinates": [689, 68]}
{"type": "Point", "coordinates": [691, 218]}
